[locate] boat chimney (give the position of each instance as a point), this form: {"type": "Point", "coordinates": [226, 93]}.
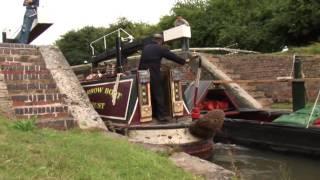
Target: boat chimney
{"type": "Point", "coordinates": [118, 53]}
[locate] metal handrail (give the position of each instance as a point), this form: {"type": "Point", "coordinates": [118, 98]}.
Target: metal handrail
{"type": "Point", "coordinates": [104, 38]}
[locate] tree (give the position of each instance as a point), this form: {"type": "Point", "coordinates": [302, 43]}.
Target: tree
{"type": "Point", "coordinates": [258, 25]}
{"type": "Point", "coordinates": [75, 45]}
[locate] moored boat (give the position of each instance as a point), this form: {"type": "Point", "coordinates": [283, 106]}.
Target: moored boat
{"type": "Point", "coordinates": [295, 131]}
{"type": "Point", "coordinates": [123, 99]}
{"type": "Point", "coordinates": [261, 128]}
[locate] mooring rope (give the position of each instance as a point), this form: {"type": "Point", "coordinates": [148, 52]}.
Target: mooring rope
{"type": "Point", "coordinates": [313, 108]}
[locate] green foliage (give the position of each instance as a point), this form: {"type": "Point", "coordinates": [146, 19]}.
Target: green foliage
{"type": "Point", "coordinates": [48, 154]}
{"type": "Point", "coordinates": [25, 125]}
{"type": "Point", "coordinates": [257, 25]}
{"type": "Point", "coordinates": [75, 44]}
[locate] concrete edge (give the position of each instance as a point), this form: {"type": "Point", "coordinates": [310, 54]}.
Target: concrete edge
{"type": "Point", "coordinates": [68, 84]}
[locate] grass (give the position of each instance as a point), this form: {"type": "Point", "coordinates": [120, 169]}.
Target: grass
{"type": "Point", "coordinates": [281, 106]}
{"type": "Point", "coordinates": [288, 105]}
{"type": "Point", "coordinates": [48, 154]}
{"type": "Point", "coordinates": [312, 49]}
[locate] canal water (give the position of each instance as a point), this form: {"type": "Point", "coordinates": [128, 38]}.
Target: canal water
{"type": "Point", "coordinates": [258, 164]}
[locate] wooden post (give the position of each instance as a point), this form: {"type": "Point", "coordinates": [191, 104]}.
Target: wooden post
{"type": "Point", "coordinates": [245, 100]}
{"type": "Point", "coordinates": [298, 89]}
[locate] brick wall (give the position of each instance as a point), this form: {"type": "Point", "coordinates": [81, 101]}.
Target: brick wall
{"type": "Point", "coordinates": [257, 67]}
{"type": "Point", "coordinates": [29, 86]}
{"type": "Point", "coordinates": [261, 67]}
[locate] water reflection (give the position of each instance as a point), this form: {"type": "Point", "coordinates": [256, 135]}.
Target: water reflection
{"type": "Point", "coordinates": [266, 165]}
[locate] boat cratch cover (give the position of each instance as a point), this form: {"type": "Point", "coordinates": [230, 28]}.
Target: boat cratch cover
{"type": "Point", "coordinates": [299, 118]}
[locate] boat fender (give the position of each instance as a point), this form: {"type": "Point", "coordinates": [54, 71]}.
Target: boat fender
{"type": "Point", "coordinates": [195, 113]}
{"type": "Point", "coordinates": [208, 125]}
{"type": "Point", "coordinates": [317, 122]}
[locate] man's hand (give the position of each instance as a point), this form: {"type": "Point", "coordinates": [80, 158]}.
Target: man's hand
{"type": "Point", "coordinates": [192, 57]}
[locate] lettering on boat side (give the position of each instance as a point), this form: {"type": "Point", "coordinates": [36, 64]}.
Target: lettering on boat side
{"type": "Point", "coordinates": [98, 105]}
{"type": "Point", "coordinates": [100, 95]}
{"type": "Point", "coordinates": [105, 90]}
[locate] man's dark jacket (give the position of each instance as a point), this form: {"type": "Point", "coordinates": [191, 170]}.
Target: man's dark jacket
{"type": "Point", "coordinates": [153, 53]}
{"type": "Point", "coordinates": [151, 59]}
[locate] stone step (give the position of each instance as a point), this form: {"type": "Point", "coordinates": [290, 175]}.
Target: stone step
{"type": "Point", "coordinates": [31, 85]}
{"type": "Point", "coordinates": [36, 103]}
{"type": "Point", "coordinates": [40, 109]}
{"type": "Point", "coordinates": [24, 82]}
{"type": "Point", "coordinates": [22, 67]}
{"type": "Point", "coordinates": [21, 72]}
{"type": "Point", "coordinates": [38, 97]}
{"type": "Point", "coordinates": [19, 51]}
{"type": "Point", "coordinates": [51, 116]}
{"type": "Point", "coordinates": [21, 58]}
{"type": "Point", "coordinates": [27, 92]}
{"type": "Point", "coordinates": [19, 64]}
{"type": "Point", "coordinates": [28, 77]}
{"type": "Point", "coordinates": [17, 46]}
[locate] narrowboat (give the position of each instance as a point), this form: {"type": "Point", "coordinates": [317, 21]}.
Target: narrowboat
{"type": "Point", "coordinates": [121, 95]}
{"type": "Point", "coordinates": [295, 131]}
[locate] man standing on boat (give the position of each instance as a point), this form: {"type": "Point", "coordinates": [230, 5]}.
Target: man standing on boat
{"type": "Point", "coordinates": [29, 16]}
{"type": "Point", "coordinates": [151, 57]}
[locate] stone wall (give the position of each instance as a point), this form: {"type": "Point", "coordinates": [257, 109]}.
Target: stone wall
{"type": "Point", "coordinates": [270, 67]}
{"type": "Point", "coordinates": [258, 67]}
{"type": "Point", "coordinates": [5, 101]}
{"type": "Point", "coordinates": [75, 97]}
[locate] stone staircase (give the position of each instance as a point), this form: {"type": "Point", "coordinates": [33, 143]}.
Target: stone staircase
{"type": "Point", "coordinates": [230, 70]}
{"type": "Point", "coordinates": [27, 88]}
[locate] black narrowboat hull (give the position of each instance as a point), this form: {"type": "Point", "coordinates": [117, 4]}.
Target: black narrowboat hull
{"type": "Point", "coordinates": [271, 135]}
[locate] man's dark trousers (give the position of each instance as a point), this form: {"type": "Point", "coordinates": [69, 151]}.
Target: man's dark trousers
{"type": "Point", "coordinates": [157, 95]}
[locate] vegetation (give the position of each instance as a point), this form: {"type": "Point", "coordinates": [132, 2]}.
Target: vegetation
{"type": "Point", "coordinates": [311, 49]}
{"type": "Point", "coordinates": [259, 25]}
{"type": "Point", "coordinates": [281, 106]}
{"type": "Point", "coordinates": [47, 154]}
{"type": "Point", "coordinates": [75, 44]}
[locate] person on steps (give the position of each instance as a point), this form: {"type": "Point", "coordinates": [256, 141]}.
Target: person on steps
{"type": "Point", "coordinates": [30, 15]}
